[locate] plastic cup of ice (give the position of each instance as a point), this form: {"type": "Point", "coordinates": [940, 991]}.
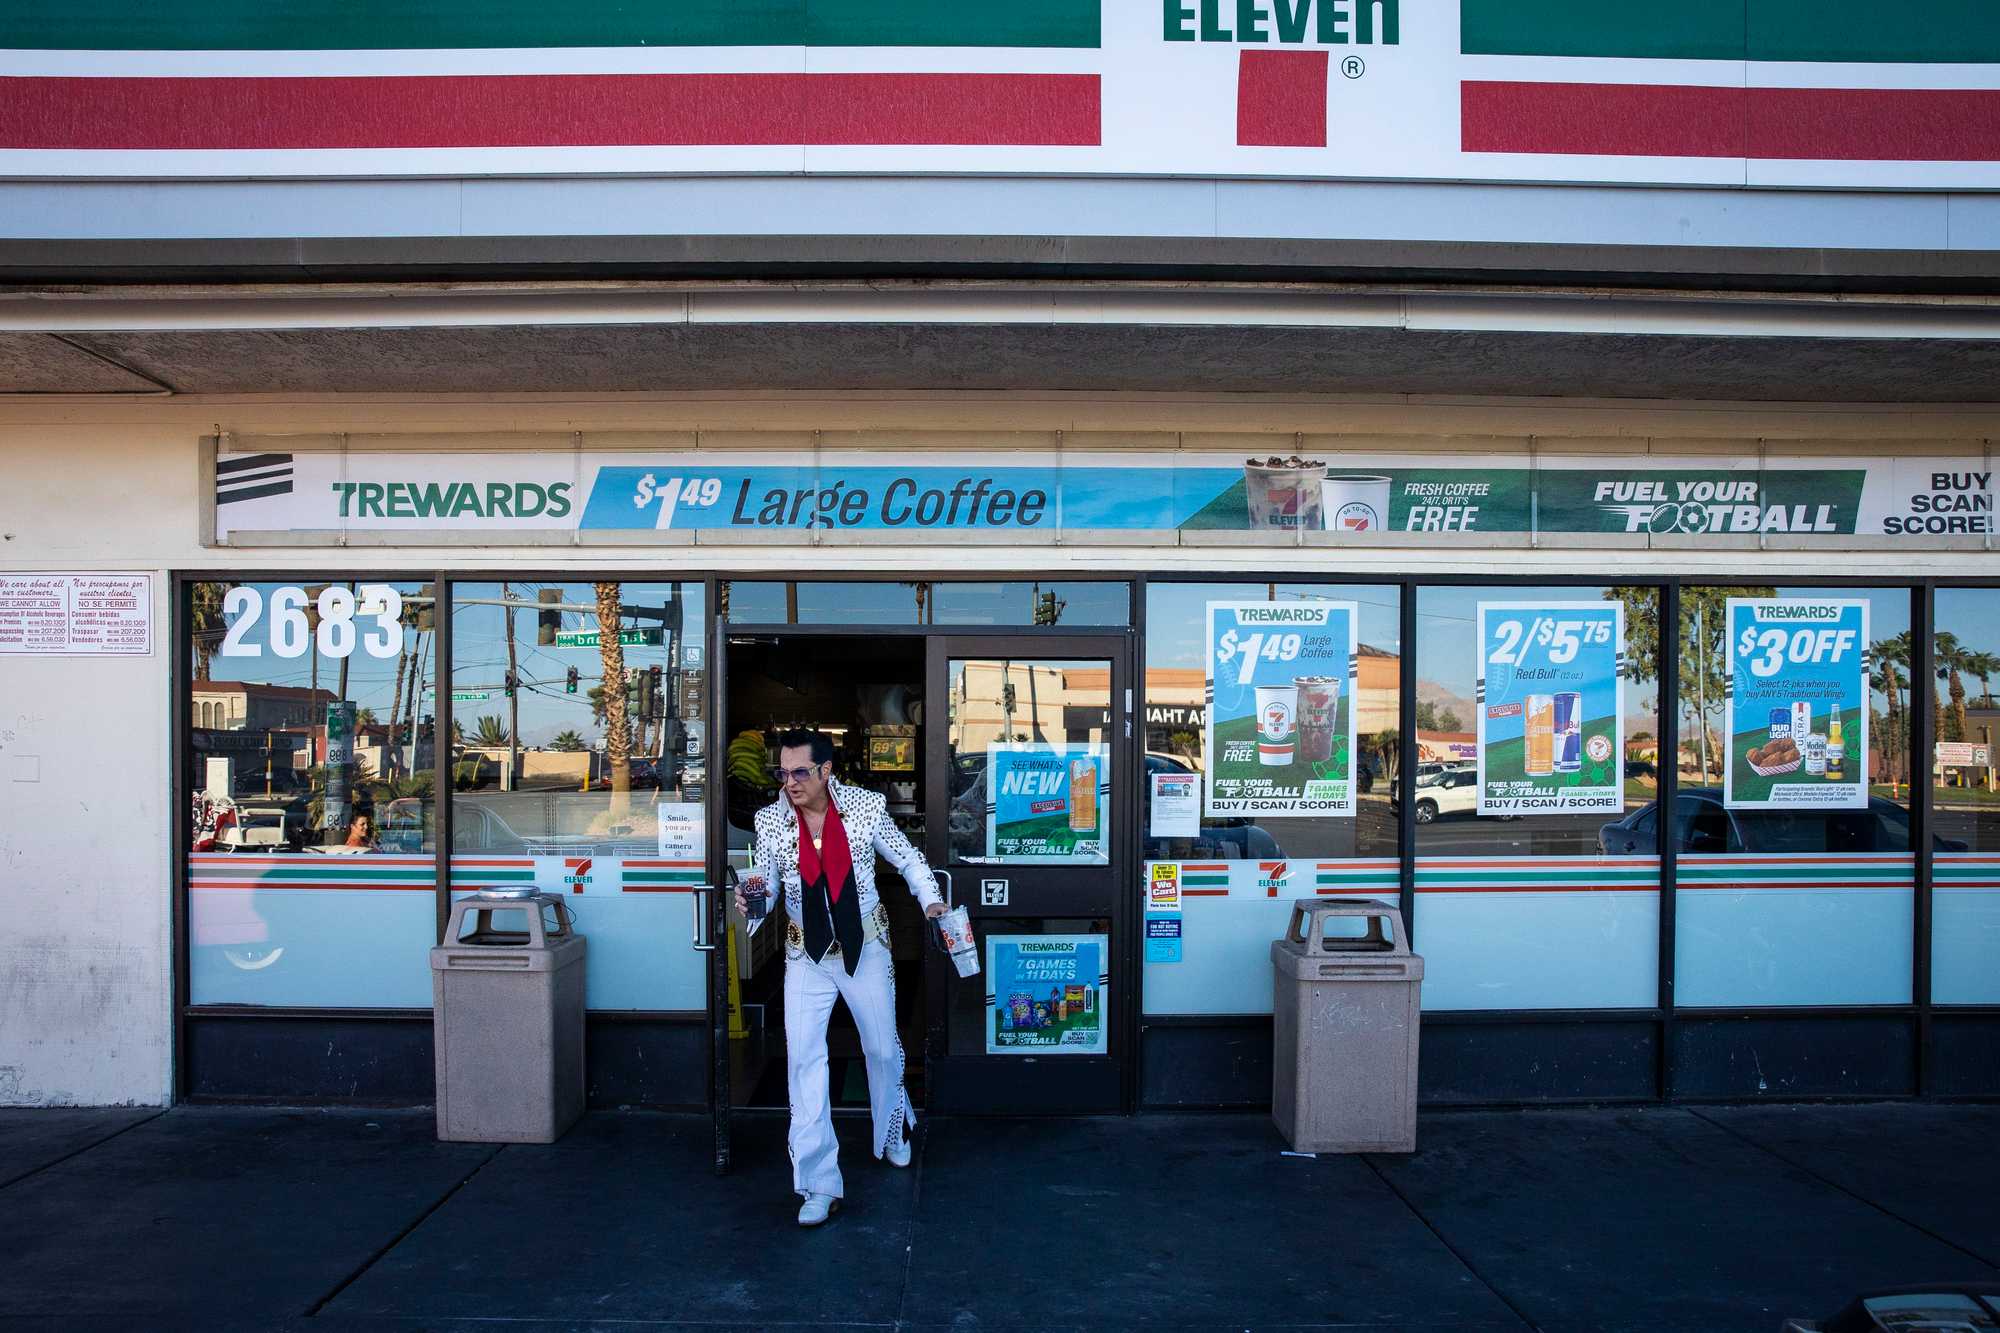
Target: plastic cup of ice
{"type": "Point", "coordinates": [955, 929]}
{"type": "Point", "coordinates": [1283, 497]}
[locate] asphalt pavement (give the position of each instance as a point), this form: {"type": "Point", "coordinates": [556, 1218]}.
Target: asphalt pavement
{"type": "Point", "coordinates": [1694, 1218]}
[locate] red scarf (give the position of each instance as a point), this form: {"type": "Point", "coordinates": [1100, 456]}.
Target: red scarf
{"type": "Point", "coordinates": [833, 851]}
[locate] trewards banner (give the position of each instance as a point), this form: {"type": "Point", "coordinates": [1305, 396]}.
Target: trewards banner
{"type": "Point", "coordinates": [1043, 493]}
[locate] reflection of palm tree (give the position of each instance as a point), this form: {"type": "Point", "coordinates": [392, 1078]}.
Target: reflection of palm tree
{"type": "Point", "coordinates": [618, 734]}
{"type": "Point", "coordinates": [570, 739]}
{"type": "Point", "coordinates": [204, 624]}
{"type": "Point", "coordinates": [1985, 666]}
{"type": "Point", "coordinates": [1889, 656]}
{"type": "Point", "coordinates": [1951, 658]}
{"type": "Point", "coordinates": [489, 731]}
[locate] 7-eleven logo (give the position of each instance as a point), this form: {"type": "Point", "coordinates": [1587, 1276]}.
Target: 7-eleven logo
{"type": "Point", "coordinates": [576, 872]}
{"type": "Point", "coordinates": [1272, 876]}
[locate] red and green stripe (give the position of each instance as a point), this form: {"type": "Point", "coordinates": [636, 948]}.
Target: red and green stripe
{"type": "Point", "coordinates": [548, 110]}
{"type": "Point", "coordinates": [1835, 31]}
{"type": "Point", "coordinates": [392, 25]}
{"type": "Point", "coordinates": [1861, 109]}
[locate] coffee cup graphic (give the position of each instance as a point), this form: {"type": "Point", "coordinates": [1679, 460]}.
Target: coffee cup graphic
{"type": "Point", "coordinates": [1355, 502]}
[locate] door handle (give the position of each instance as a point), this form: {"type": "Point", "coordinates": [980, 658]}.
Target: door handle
{"type": "Point", "coordinates": [949, 893]}
{"type": "Point", "coordinates": [704, 941]}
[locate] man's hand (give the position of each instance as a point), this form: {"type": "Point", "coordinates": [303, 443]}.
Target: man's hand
{"type": "Point", "coordinates": [935, 910]}
{"type": "Point", "coordinates": [742, 901]}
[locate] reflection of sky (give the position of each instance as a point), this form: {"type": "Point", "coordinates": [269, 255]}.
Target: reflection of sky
{"type": "Point", "coordinates": [1177, 614]}
{"type": "Point", "coordinates": [479, 653]}
{"type": "Point", "coordinates": [370, 680]}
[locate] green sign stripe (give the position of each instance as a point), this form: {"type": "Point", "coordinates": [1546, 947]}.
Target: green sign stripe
{"type": "Point", "coordinates": [493, 876]}
{"type": "Point", "coordinates": [1835, 31]}
{"type": "Point", "coordinates": [652, 877]}
{"type": "Point", "coordinates": [374, 25]}
{"type": "Point", "coordinates": [1205, 881]}
{"type": "Point", "coordinates": [1896, 875]}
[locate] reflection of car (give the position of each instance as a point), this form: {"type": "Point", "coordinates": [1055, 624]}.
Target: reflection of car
{"type": "Point", "coordinates": [645, 775]}
{"type": "Point", "coordinates": [1452, 792]}
{"type": "Point", "coordinates": [1428, 775]}
{"type": "Point", "coordinates": [1703, 825]}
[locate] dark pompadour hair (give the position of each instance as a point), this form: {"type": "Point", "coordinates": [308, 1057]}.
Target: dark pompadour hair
{"type": "Point", "coordinates": [800, 738]}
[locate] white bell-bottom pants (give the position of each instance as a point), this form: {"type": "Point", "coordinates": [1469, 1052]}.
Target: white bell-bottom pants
{"type": "Point", "coordinates": [870, 993]}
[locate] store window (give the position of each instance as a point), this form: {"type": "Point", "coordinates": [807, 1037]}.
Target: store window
{"type": "Point", "coordinates": [1796, 874]}
{"type": "Point", "coordinates": [1537, 730]}
{"type": "Point", "coordinates": [854, 602]}
{"type": "Point", "coordinates": [310, 765]}
{"type": "Point", "coordinates": [1271, 749]}
{"type": "Point", "coordinates": [1965, 806]}
{"type": "Point", "coordinates": [579, 716]}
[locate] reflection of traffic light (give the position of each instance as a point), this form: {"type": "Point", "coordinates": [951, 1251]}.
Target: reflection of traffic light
{"type": "Point", "coordinates": [512, 684]}
{"type": "Point", "coordinates": [427, 615]}
{"type": "Point", "coordinates": [1048, 608]}
{"type": "Point", "coordinates": [547, 622]}
{"type": "Point", "coordinates": [427, 729]}
{"type": "Point", "coordinates": [569, 682]}
{"type": "Point", "coordinates": [650, 697]}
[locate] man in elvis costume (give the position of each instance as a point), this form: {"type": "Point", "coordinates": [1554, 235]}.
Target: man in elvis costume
{"type": "Point", "coordinates": [818, 842]}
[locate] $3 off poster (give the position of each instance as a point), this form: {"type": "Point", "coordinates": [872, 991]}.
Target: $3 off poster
{"type": "Point", "coordinates": [1796, 710]}
{"type": "Point", "coordinates": [1047, 995]}
{"type": "Point", "coordinates": [1551, 706]}
{"type": "Point", "coordinates": [1048, 803]}
{"type": "Point", "coordinates": [1280, 729]}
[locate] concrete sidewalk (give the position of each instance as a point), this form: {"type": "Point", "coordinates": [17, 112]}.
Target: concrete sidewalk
{"type": "Point", "coordinates": [1712, 1219]}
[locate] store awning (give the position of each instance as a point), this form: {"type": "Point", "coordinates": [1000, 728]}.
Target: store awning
{"type": "Point", "coordinates": [988, 335]}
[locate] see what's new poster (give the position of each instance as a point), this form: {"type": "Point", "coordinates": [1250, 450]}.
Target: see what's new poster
{"type": "Point", "coordinates": [1796, 709]}
{"type": "Point", "coordinates": [1049, 803]}
{"type": "Point", "coordinates": [1551, 704]}
{"type": "Point", "coordinates": [1280, 729]}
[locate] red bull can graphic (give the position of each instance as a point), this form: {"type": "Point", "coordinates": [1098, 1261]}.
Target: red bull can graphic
{"type": "Point", "coordinates": [1538, 738]}
{"type": "Point", "coordinates": [1568, 728]}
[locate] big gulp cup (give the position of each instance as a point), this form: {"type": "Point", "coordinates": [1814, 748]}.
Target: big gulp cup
{"type": "Point", "coordinates": [1277, 724]}
{"type": "Point", "coordinates": [1353, 502]}
{"type": "Point", "coordinates": [955, 929]}
{"type": "Point", "coordinates": [1283, 492]}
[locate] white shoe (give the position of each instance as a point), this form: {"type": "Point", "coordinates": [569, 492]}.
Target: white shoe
{"type": "Point", "coordinates": [897, 1153]}
{"type": "Point", "coordinates": [816, 1209]}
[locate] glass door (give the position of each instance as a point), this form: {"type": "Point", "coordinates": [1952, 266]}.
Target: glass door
{"type": "Point", "coordinates": [1029, 818]}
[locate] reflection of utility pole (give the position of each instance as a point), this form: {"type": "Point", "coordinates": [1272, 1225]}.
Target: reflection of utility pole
{"type": "Point", "coordinates": [513, 698]}
{"type": "Point", "coordinates": [1701, 685]}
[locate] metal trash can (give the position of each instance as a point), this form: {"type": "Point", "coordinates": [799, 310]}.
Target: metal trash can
{"type": "Point", "coordinates": [1344, 1066]}
{"type": "Point", "coordinates": [508, 1010]}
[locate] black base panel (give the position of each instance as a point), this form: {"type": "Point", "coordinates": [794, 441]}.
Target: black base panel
{"type": "Point", "coordinates": [1207, 1066]}
{"type": "Point", "coordinates": [390, 1062]}
{"type": "Point", "coordinates": [1965, 1055]}
{"type": "Point", "coordinates": [1228, 1065]}
{"type": "Point", "coordinates": [360, 1061]}
{"type": "Point", "coordinates": [653, 1062]}
{"type": "Point", "coordinates": [1597, 1060]}
{"type": "Point", "coordinates": [1861, 1055]}
{"type": "Point", "coordinates": [1051, 1085]}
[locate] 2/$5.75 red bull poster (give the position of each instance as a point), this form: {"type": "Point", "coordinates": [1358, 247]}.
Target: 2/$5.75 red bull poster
{"type": "Point", "coordinates": [1551, 708]}
{"type": "Point", "coordinates": [1281, 716]}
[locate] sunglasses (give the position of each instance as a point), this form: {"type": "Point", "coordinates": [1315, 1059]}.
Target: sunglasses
{"type": "Point", "coordinates": [794, 774]}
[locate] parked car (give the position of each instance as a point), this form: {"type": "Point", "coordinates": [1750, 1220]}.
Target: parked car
{"type": "Point", "coordinates": [1455, 791]}
{"type": "Point", "coordinates": [1429, 773]}
{"type": "Point", "coordinates": [1702, 824]}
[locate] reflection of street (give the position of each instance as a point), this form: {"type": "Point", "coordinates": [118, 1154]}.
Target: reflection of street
{"type": "Point", "coordinates": [1533, 835]}
{"type": "Point", "coordinates": [1959, 821]}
